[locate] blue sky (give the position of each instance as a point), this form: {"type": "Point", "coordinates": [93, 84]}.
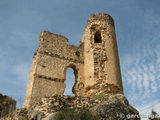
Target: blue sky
{"type": "Point", "coordinates": [137, 25]}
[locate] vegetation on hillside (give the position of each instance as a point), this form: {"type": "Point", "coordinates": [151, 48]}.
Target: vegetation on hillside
{"type": "Point", "coordinates": [75, 114]}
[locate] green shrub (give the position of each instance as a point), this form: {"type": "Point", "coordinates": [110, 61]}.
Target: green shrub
{"type": "Point", "coordinates": [99, 96]}
{"type": "Point", "coordinates": [75, 114]}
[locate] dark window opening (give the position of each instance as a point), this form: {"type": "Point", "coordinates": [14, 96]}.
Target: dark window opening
{"type": "Point", "coordinates": [97, 37]}
{"type": "Point", "coordinates": [78, 53]}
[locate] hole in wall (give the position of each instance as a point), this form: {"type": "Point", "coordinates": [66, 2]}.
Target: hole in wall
{"type": "Point", "coordinates": [97, 37]}
{"type": "Point", "coordinates": [77, 53]}
{"type": "Point", "coordinates": [70, 81]}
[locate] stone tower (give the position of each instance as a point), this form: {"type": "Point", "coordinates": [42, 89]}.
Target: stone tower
{"type": "Point", "coordinates": [101, 62]}
{"type": "Point", "coordinates": [95, 62]}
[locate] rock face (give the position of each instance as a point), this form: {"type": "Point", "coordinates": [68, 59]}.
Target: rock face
{"type": "Point", "coordinates": [7, 105]}
{"type": "Point", "coordinates": [115, 107]}
{"type": "Point", "coordinates": [106, 107]}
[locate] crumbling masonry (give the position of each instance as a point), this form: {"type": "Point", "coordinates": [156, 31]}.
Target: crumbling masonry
{"type": "Point", "coordinates": [95, 62]}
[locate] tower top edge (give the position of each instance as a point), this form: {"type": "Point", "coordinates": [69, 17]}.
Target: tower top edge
{"type": "Point", "coordinates": [100, 17]}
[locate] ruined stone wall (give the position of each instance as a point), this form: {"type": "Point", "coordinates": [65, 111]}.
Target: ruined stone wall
{"type": "Point", "coordinates": [7, 105]}
{"type": "Point", "coordinates": [95, 62]}
{"type": "Point", "coordinates": [48, 71]}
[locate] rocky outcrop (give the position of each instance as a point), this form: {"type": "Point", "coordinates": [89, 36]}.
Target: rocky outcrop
{"type": "Point", "coordinates": [106, 107]}
{"type": "Point", "coordinates": [7, 105]}
{"type": "Point", "coordinates": [115, 107]}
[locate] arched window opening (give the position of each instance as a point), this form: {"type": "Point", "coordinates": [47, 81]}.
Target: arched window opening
{"type": "Point", "coordinates": [70, 81]}
{"type": "Point", "coordinates": [97, 37]}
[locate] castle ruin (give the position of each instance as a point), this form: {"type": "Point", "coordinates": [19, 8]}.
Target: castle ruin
{"type": "Point", "coordinates": [95, 62]}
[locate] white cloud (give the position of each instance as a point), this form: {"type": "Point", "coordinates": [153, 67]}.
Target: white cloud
{"type": "Point", "coordinates": [145, 80]}
{"type": "Point", "coordinates": [139, 84]}
{"type": "Point", "coordinates": [154, 87]}
{"type": "Point", "coordinates": [141, 70]}
{"type": "Point", "coordinates": [142, 78]}
{"type": "Point", "coordinates": [152, 77]}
